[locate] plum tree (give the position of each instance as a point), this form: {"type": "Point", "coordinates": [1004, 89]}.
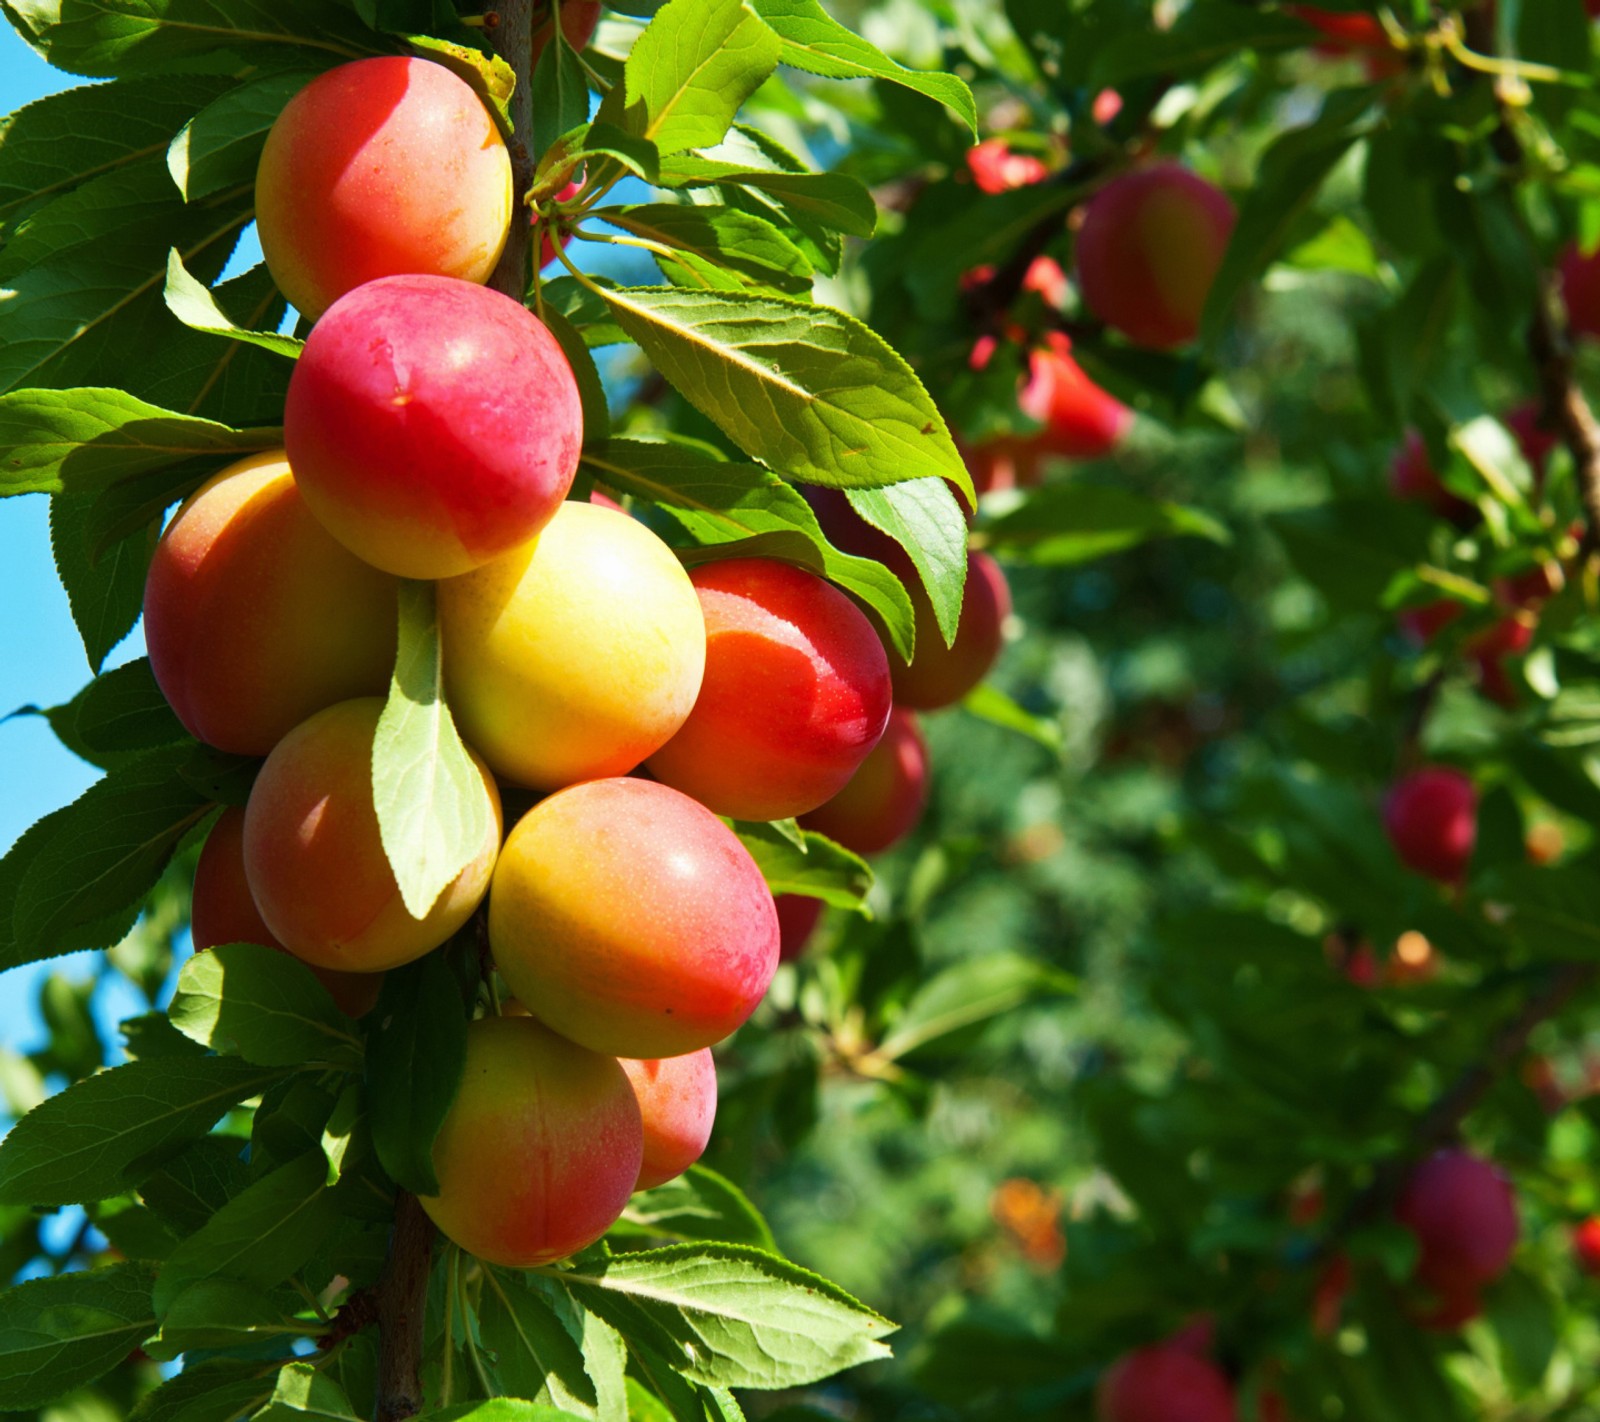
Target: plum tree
{"type": "Point", "coordinates": [794, 698]}
{"type": "Point", "coordinates": [222, 911]}
{"type": "Point", "coordinates": [383, 167]}
{"type": "Point", "coordinates": [630, 919]}
{"type": "Point", "coordinates": [1148, 251]}
{"type": "Point", "coordinates": [678, 1103]}
{"type": "Point", "coordinates": [576, 656]}
{"type": "Point", "coordinates": [255, 618]}
{"type": "Point", "coordinates": [885, 798]}
{"type": "Point", "coordinates": [315, 860]}
{"type": "Point", "coordinates": [1431, 817]}
{"type": "Point", "coordinates": [540, 1149]}
{"type": "Point", "coordinates": [432, 425]}
{"type": "Point", "coordinates": [1166, 1382]}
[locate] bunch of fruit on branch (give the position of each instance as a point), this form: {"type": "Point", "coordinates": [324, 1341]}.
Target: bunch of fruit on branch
{"type": "Point", "coordinates": [432, 432]}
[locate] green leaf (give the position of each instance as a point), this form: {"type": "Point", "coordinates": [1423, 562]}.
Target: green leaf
{"type": "Point", "coordinates": [261, 1236]}
{"type": "Point", "coordinates": [203, 1392]}
{"type": "Point", "coordinates": [535, 1356]}
{"type": "Point", "coordinates": [107, 1132]}
{"type": "Point", "coordinates": [970, 992]}
{"type": "Point", "coordinates": [305, 1391]}
{"type": "Point", "coordinates": [923, 518]}
{"type": "Point", "coordinates": [1288, 179]}
{"type": "Point", "coordinates": [560, 93]}
{"type": "Point", "coordinates": [591, 391]}
{"type": "Point", "coordinates": [118, 714]}
{"type": "Point", "coordinates": [817, 43]}
{"type": "Point", "coordinates": [262, 1005]}
{"type": "Point", "coordinates": [434, 811]}
{"type": "Point", "coordinates": [699, 1204]}
{"type": "Point", "coordinates": [226, 1314]}
{"type": "Point", "coordinates": [988, 703]}
{"type": "Point", "coordinates": [416, 1049]}
{"type": "Point", "coordinates": [690, 71]}
{"type": "Point", "coordinates": [739, 242]}
{"type": "Point", "coordinates": [1062, 524]}
{"type": "Point", "coordinates": [747, 511]}
{"type": "Point", "coordinates": [90, 438]}
{"type": "Point", "coordinates": [105, 592]}
{"type": "Point", "coordinates": [58, 1334]}
{"type": "Point", "coordinates": [822, 870]}
{"type": "Point", "coordinates": [147, 36]}
{"type": "Point", "coordinates": [63, 140]}
{"type": "Point", "coordinates": [106, 850]}
{"type": "Point", "coordinates": [195, 304]}
{"type": "Point", "coordinates": [731, 1316]}
{"type": "Point", "coordinates": [810, 392]}
{"type": "Point", "coordinates": [221, 145]}
{"type": "Point", "coordinates": [835, 200]}
{"type": "Point", "coordinates": [499, 1409]}
{"type": "Point", "coordinates": [197, 1182]}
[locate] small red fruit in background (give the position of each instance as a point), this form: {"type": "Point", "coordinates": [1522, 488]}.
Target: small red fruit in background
{"type": "Point", "coordinates": [798, 915]}
{"type": "Point", "coordinates": [1081, 420]}
{"type": "Point", "coordinates": [1148, 251]}
{"type": "Point", "coordinates": [1580, 289]}
{"type": "Point", "coordinates": [1431, 817]}
{"type": "Point", "coordinates": [996, 169]}
{"type": "Point", "coordinates": [1164, 1383]}
{"type": "Point", "coordinates": [1413, 477]}
{"type": "Point", "coordinates": [1464, 1216]}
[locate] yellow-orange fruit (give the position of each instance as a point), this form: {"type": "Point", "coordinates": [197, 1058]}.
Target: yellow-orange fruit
{"type": "Point", "coordinates": [385, 167]}
{"type": "Point", "coordinates": [222, 911]}
{"type": "Point", "coordinates": [315, 860]}
{"type": "Point", "coordinates": [577, 655]}
{"type": "Point", "coordinates": [629, 918]}
{"type": "Point", "coordinates": [540, 1149]}
{"type": "Point", "coordinates": [255, 617]}
{"type": "Point", "coordinates": [678, 1102]}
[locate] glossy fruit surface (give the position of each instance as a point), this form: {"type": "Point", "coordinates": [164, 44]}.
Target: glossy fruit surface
{"type": "Point", "coordinates": [540, 1150]}
{"type": "Point", "coordinates": [1431, 817]}
{"type": "Point", "coordinates": [254, 617]}
{"type": "Point", "coordinates": [678, 1102]}
{"type": "Point", "coordinates": [432, 425]}
{"type": "Point", "coordinates": [631, 919]}
{"type": "Point", "coordinates": [576, 656]}
{"type": "Point", "coordinates": [383, 167]}
{"type": "Point", "coordinates": [794, 698]}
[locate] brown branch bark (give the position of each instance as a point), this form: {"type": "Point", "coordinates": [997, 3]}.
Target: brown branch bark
{"type": "Point", "coordinates": [512, 34]}
{"type": "Point", "coordinates": [402, 1297]}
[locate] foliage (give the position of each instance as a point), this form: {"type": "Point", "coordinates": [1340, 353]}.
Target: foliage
{"type": "Point", "coordinates": [1099, 1056]}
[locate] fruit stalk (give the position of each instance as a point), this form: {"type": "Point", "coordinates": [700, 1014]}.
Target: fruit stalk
{"type": "Point", "coordinates": [402, 1299]}
{"type": "Point", "coordinates": [512, 37]}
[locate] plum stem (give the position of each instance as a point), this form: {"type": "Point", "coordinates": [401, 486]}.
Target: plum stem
{"type": "Point", "coordinates": [402, 1297]}
{"type": "Point", "coordinates": [513, 39]}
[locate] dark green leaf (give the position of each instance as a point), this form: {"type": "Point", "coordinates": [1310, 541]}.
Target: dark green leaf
{"type": "Point", "coordinates": [416, 1048]}
{"type": "Point", "coordinates": [58, 1334]}
{"type": "Point", "coordinates": [221, 145]}
{"type": "Point", "coordinates": [1075, 523]}
{"type": "Point", "coordinates": [105, 592]}
{"type": "Point", "coordinates": [107, 1132]}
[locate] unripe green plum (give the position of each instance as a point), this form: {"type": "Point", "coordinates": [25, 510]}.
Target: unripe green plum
{"type": "Point", "coordinates": [576, 656]}
{"type": "Point", "coordinates": [254, 617]}
{"type": "Point", "coordinates": [630, 919]}
{"type": "Point", "coordinates": [222, 911]}
{"type": "Point", "coordinates": [315, 861]}
{"type": "Point", "coordinates": [886, 797]}
{"type": "Point", "coordinates": [678, 1102]}
{"type": "Point", "coordinates": [383, 167]}
{"type": "Point", "coordinates": [433, 425]}
{"type": "Point", "coordinates": [1149, 248]}
{"type": "Point", "coordinates": [795, 693]}
{"type": "Point", "coordinates": [540, 1149]}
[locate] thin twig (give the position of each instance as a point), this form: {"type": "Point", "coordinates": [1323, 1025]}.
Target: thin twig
{"type": "Point", "coordinates": [402, 1297]}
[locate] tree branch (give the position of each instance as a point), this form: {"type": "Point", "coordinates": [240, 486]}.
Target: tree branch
{"type": "Point", "coordinates": [1566, 407]}
{"type": "Point", "coordinates": [402, 1298]}
{"type": "Point", "coordinates": [512, 34]}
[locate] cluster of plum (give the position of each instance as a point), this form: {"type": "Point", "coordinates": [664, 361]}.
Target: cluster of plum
{"type": "Point", "coordinates": [1147, 248]}
{"type": "Point", "coordinates": [432, 432]}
